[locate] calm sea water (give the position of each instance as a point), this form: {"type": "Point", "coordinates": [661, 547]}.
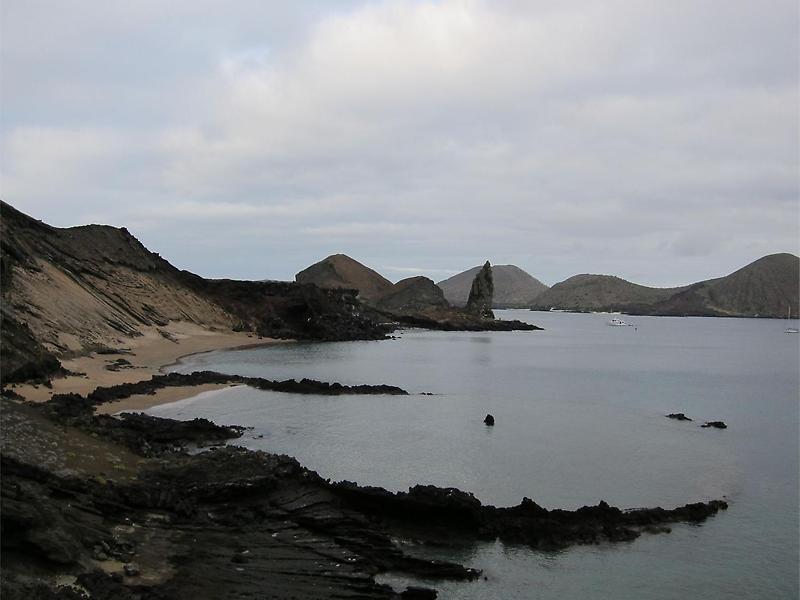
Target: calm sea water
{"type": "Point", "coordinates": [579, 412]}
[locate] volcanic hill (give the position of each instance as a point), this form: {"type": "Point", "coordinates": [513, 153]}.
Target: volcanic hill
{"type": "Point", "coordinates": [589, 292]}
{"type": "Point", "coordinates": [415, 301]}
{"type": "Point", "coordinates": [767, 287]}
{"type": "Point", "coordinates": [339, 271]}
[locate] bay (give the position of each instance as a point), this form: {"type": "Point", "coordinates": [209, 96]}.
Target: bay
{"type": "Point", "coordinates": [579, 412]}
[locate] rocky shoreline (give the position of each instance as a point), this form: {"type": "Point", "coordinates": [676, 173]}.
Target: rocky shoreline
{"type": "Point", "coordinates": [456, 322]}
{"type": "Point", "coordinates": [119, 507]}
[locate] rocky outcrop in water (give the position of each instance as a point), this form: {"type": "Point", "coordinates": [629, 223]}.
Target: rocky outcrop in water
{"type": "Point", "coordinates": [120, 508]}
{"type": "Point", "coordinates": [459, 320]}
{"type": "Point", "coordinates": [513, 287]}
{"type": "Point", "coordinates": [481, 294]}
{"type": "Point", "coordinates": [415, 301]}
{"type": "Point", "coordinates": [678, 417]}
{"type": "Point", "coordinates": [102, 395]}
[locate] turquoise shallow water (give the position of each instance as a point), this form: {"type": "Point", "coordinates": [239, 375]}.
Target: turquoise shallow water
{"type": "Point", "coordinates": [579, 410]}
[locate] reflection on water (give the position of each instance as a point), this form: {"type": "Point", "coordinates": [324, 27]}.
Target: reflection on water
{"type": "Point", "coordinates": [579, 414]}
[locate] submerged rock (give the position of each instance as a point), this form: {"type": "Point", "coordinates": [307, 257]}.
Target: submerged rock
{"type": "Point", "coordinates": [481, 295]}
{"type": "Point", "coordinates": [678, 417]}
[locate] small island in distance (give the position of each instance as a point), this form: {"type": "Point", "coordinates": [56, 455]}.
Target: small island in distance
{"type": "Point", "coordinates": [766, 288]}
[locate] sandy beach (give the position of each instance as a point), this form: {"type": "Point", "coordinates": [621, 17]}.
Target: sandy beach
{"type": "Point", "coordinates": [148, 355]}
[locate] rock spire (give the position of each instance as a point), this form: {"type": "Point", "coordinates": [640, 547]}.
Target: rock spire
{"type": "Point", "coordinates": [482, 293]}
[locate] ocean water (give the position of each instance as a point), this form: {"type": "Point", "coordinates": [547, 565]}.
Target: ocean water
{"type": "Point", "coordinates": [579, 412]}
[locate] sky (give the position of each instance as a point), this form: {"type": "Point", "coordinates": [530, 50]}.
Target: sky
{"type": "Point", "coordinates": [657, 141]}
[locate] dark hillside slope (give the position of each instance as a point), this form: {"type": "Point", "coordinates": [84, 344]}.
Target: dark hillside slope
{"type": "Point", "coordinates": [768, 287]}
{"type": "Point", "coordinates": [73, 290]}
{"type": "Point", "coordinates": [413, 294]}
{"type": "Point", "coordinates": [599, 293]}
{"type": "Point", "coordinates": [341, 271]}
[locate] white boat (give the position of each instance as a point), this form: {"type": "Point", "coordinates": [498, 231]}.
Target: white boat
{"type": "Point", "coordinates": [618, 323]}
{"type": "Point", "coordinates": [790, 329]}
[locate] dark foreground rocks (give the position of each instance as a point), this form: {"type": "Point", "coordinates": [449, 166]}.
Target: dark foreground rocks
{"type": "Point", "coordinates": [102, 395]}
{"type": "Point", "coordinates": [119, 507]}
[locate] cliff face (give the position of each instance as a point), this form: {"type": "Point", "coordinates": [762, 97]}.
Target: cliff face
{"type": "Point", "coordinates": [77, 289]}
{"type": "Point", "coordinates": [481, 295]}
{"type": "Point", "coordinates": [70, 291]}
{"type": "Point", "coordinates": [513, 287]}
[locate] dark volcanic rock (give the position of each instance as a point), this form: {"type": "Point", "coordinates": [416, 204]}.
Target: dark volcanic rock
{"type": "Point", "coordinates": [119, 364]}
{"type": "Point", "coordinates": [432, 512]}
{"type": "Point", "coordinates": [24, 358]}
{"type": "Point", "coordinates": [236, 523]}
{"type": "Point", "coordinates": [489, 420]}
{"type": "Point", "coordinates": [715, 424]}
{"type": "Point", "coordinates": [292, 386]}
{"type": "Point", "coordinates": [459, 320]}
{"type": "Point", "coordinates": [678, 417]}
{"type": "Point", "coordinates": [151, 435]}
{"type": "Point", "coordinates": [481, 295]}
{"type": "Point", "coordinates": [289, 310]}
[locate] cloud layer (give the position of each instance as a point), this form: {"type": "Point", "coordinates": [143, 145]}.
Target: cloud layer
{"type": "Point", "coordinates": [657, 141]}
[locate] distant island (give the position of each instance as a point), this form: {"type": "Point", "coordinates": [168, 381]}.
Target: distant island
{"type": "Point", "coordinates": [415, 301]}
{"type": "Point", "coordinates": [768, 287]}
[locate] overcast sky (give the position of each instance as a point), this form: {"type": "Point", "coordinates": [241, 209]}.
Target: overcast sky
{"type": "Point", "coordinates": [653, 140]}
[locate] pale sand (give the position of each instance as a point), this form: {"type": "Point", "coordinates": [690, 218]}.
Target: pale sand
{"type": "Point", "coordinates": [141, 402]}
{"type": "Point", "coordinates": [150, 353]}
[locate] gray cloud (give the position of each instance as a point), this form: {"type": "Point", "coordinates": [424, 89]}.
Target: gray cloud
{"type": "Point", "coordinates": [657, 141]}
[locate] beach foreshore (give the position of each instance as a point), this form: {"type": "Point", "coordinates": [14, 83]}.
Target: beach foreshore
{"type": "Point", "coordinates": [144, 357]}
